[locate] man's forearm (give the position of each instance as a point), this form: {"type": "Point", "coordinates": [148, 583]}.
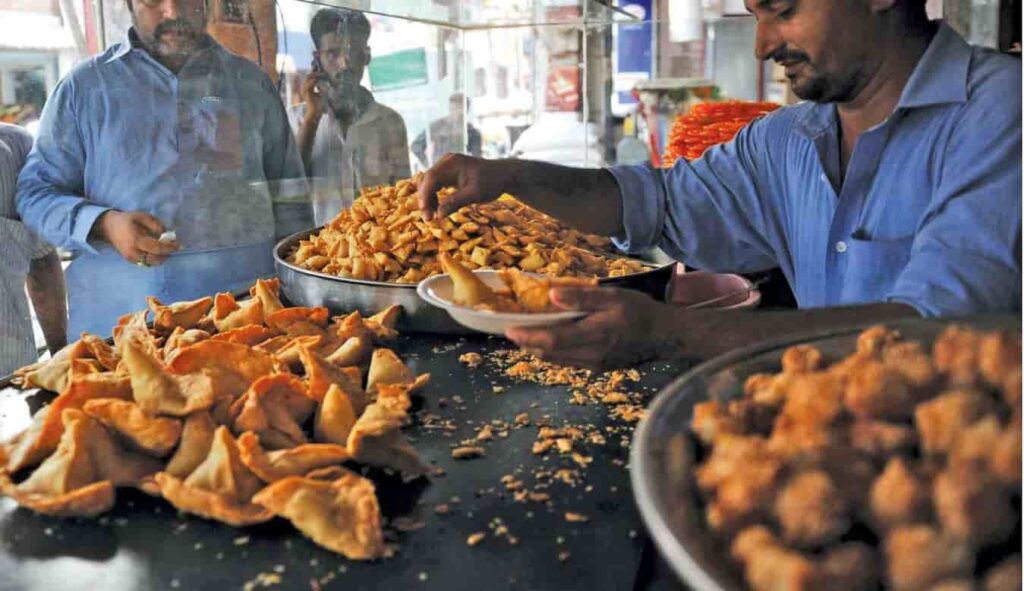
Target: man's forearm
{"type": "Point", "coordinates": [585, 198]}
{"type": "Point", "coordinates": [46, 290]}
{"type": "Point", "coordinates": [704, 334]}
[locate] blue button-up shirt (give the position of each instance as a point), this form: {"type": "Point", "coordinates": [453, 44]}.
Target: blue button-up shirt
{"type": "Point", "coordinates": [928, 214]}
{"type": "Point", "coordinates": [194, 149]}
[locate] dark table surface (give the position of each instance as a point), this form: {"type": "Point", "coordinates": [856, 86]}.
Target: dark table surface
{"type": "Point", "coordinates": [144, 544]}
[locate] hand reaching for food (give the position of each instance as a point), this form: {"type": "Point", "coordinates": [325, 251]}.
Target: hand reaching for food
{"type": "Point", "coordinates": [136, 236]}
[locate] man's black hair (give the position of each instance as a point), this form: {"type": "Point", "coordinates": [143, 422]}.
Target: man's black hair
{"type": "Point", "coordinates": [350, 23]}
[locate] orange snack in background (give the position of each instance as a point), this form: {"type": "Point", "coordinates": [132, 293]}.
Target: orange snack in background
{"type": "Point", "coordinates": [707, 124]}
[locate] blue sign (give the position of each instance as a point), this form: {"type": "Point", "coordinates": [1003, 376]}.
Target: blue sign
{"type": "Point", "coordinates": [632, 59]}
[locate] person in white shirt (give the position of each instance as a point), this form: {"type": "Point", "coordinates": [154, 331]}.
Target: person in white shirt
{"type": "Point", "coordinates": [347, 139]}
{"type": "Point", "coordinates": [25, 261]}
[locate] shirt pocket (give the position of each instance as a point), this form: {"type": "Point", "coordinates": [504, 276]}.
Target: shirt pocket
{"type": "Point", "coordinates": [872, 267]}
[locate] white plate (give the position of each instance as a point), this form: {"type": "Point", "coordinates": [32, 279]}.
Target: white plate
{"type": "Point", "coordinates": [437, 291]}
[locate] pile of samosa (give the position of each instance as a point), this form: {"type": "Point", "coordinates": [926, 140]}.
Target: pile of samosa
{"type": "Point", "coordinates": [237, 411]}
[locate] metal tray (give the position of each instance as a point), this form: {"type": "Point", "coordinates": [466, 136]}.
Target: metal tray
{"type": "Point", "coordinates": [663, 453]}
{"type": "Point", "coordinates": [303, 287]}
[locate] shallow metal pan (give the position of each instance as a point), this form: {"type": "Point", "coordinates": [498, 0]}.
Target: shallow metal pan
{"type": "Point", "coordinates": [663, 458]}
{"type": "Point", "coordinates": [303, 287]}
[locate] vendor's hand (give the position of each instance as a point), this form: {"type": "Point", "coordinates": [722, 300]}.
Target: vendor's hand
{"type": "Point", "coordinates": [314, 93]}
{"type": "Point", "coordinates": [620, 330]}
{"type": "Point", "coordinates": [475, 180]}
{"type": "Point", "coordinates": [135, 236]}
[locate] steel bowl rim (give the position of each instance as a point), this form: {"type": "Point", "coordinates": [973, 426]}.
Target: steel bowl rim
{"type": "Point", "coordinates": [302, 234]}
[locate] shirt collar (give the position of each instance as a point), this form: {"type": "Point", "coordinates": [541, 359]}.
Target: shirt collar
{"type": "Point", "coordinates": [939, 77]}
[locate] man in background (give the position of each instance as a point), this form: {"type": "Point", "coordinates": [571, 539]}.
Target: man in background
{"type": "Point", "coordinates": [165, 131]}
{"type": "Point", "coordinates": [448, 133]}
{"type": "Point", "coordinates": [346, 138]}
{"type": "Point", "coordinates": [26, 260]}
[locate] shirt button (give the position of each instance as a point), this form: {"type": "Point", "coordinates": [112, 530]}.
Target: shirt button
{"type": "Point", "coordinates": [824, 178]}
{"type": "Point", "coordinates": [840, 247]}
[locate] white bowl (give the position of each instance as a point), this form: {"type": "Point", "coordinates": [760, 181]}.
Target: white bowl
{"type": "Point", "coordinates": [437, 291]}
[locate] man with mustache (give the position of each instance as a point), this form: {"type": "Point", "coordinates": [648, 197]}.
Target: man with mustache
{"type": "Point", "coordinates": [164, 131]}
{"type": "Point", "coordinates": [346, 138]}
{"type": "Point", "coordinates": [894, 191]}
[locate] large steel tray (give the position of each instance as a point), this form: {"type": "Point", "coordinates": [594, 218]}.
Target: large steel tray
{"type": "Point", "coordinates": [663, 455]}
{"type": "Point", "coordinates": [303, 287]}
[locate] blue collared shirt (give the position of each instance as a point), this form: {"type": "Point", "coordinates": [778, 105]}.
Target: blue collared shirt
{"type": "Point", "coordinates": [195, 150]}
{"type": "Point", "coordinates": [929, 213]}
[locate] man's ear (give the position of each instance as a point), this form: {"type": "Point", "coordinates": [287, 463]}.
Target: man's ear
{"type": "Point", "coordinates": [879, 6]}
{"type": "Point", "coordinates": [369, 56]}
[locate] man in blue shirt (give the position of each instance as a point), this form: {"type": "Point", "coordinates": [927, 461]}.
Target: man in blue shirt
{"type": "Point", "coordinates": [894, 191]}
{"type": "Point", "coordinates": [164, 131]}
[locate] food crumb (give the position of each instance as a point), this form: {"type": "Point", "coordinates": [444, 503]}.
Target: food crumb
{"type": "Point", "coordinates": [475, 538]}
{"type": "Point", "coordinates": [241, 540]}
{"type": "Point", "coordinates": [497, 389]}
{"type": "Point", "coordinates": [423, 576]}
{"type": "Point", "coordinates": [175, 583]}
{"type": "Point", "coordinates": [564, 556]}
{"type": "Point", "coordinates": [262, 580]}
{"type": "Point", "coordinates": [467, 452]}
{"type": "Point", "coordinates": [442, 509]}
{"type": "Point", "coordinates": [471, 359]}
{"type": "Point", "coordinates": [279, 568]}
{"type": "Point", "coordinates": [576, 517]}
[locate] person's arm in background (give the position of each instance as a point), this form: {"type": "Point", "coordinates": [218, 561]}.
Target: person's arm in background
{"type": "Point", "coordinates": [419, 148]}
{"type": "Point", "coordinates": [49, 298]}
{"type": "Point", "coordinates": [316, 106]}
{"type": "Point", "coordinates": [51, 185]}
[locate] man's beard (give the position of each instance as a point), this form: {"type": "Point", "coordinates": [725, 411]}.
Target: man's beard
{"type": "Point", "coordinates": [344, 97]}
{"type": "Point", "coordinates": [188, 39]}
{"type": "Point", "coordinates": [813, 85]}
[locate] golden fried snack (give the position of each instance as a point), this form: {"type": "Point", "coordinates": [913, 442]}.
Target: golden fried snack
{"type": "Point", "coordinates": [882, 439]}
{"type": "Point", "coordinates": [320, 374]}
{"type": "Point", "coordinates": [874, 390]}
{"type": "Point", "coordinates": [376, 438]}
{"type": "Point", "coordinates": [335, 417]}
{"type": "Point", "coordinates": [52, 374]}
{"type": "Point", "coordinates": [341, 515]}
{"type": "Point", "coordinates": [956, 355]}
{"type": "Point", "coordinates": [532, 293]}
{"type": "Point", "coordinates": [194, 444]}
{"type": "Point", "coordinates": [294, 461]}
{"type": "Point", "coordinates": [919, 556]}
{"type": "Point", "coordinates": [274, 408]}
{"type": "Point", "coordinates": [232, 367]}
{"type": "Point", "coordinates": [228, 314]}
{"type": "Point", "coordinates": [186, 315]}
{"type": "Point", "coordinates": [874, 340]}
{"type": "Point", "coordinates": [768, 565]}
{"type": "Point", "coordinates": [181, 338]}
{"type": "Point", "coordinates": [912, 362]}
{"type": "Point", "coordinates": [299, 321]}
{"type": "Point", "coordinates": [43, 435]}
{"type": "Point", "coordinates": [354, 351]}
{"type": "Point", "coordinates": [898, 497]}
{"type": "Point", "coordinates": [801, 359]}
{"type": "Point", "coordinates": [382, 237]}
{"type": "Point", "coordinates": [941, 420]}
{"type": "Point", "coordinates": [250, 335]}
{"type": "Point", "coordinates": [382, 324]}
{"type": "Point", "coordinates": [467, 289]}
{"type": "Point", "coordinates": [851, 566]}
{"type": "Point", "coordinates": [970, 505]}
{"type": "Point", "coordinates": [810, 510]}
{"type": "Point", "coordinates": [220, 488]}
{"type": "Point", "coordinates": [1005, 576]}
{"type": "Point", "coordinates": [101, 351]}
{"type": "Point", "coordinates": [159, 391]}
{"type": "Point", "coordinates": [267, 291]}
{"type": "Point", "coordinates": [149, 434]}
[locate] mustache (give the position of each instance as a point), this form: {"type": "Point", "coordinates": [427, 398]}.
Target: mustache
{"type": "Point", "coordinates": [785, 56]}
{"type": "Point", "coordinates": [178, 25]}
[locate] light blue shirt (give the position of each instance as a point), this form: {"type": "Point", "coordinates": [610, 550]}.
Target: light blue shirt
{"type": "Point", "coordinates": [195, 150]}
{"type": "Point", "coordinates": [929, 213]}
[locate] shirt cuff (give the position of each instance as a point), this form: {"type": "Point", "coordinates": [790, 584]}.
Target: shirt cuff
{"type": "Point", "coordinates": [85, 218]}
{"type": "Point", "coordinates": [643, 207]}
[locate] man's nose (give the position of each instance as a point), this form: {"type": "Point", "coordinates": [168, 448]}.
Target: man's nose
{"type": "Point", "coordinates": [767, 41]}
